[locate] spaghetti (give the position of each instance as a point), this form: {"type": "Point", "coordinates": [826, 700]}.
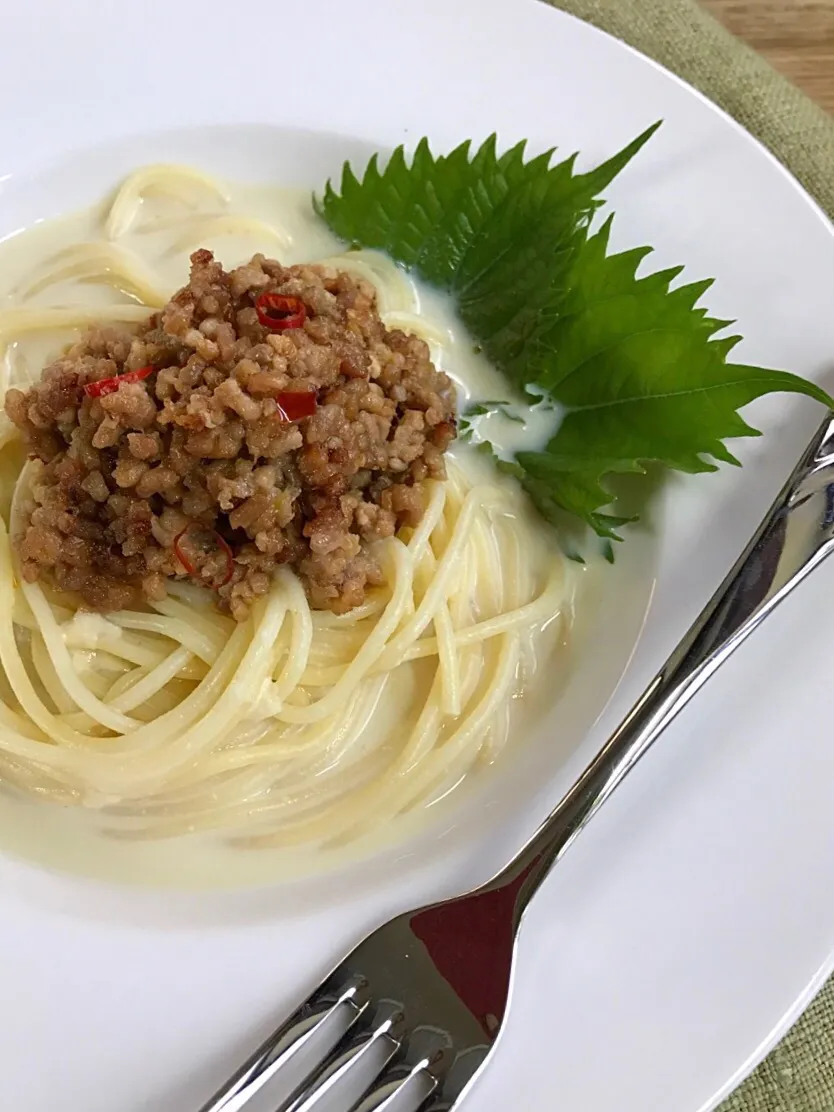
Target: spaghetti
{"type": "Point", "coordinates": [294, 726]}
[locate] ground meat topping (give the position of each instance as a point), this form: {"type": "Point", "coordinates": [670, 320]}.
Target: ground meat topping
{"type": "Point", "coordinates": [202, 448]}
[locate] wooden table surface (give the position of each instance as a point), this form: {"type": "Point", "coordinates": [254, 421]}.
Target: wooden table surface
{"type": "Point", "coordinates": [796, 36]}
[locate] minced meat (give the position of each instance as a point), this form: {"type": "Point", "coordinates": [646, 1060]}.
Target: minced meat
{"type": "Point", "coordinates": [195, 469]}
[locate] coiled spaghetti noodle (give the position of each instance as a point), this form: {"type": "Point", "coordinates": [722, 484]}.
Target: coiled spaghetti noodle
{"type": "Point", "coordinates": [296, 726]}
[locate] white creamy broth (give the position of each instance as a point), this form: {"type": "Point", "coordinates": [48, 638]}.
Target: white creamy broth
{"type": "Point", "coordinates": [71, 264]}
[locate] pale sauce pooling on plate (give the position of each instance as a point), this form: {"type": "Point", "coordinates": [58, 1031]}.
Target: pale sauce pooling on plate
{"type": "Point", "coordinates": [235, 222]}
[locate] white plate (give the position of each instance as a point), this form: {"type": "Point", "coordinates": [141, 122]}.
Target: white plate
{"type": "Point", "coordinates": [694, 918]}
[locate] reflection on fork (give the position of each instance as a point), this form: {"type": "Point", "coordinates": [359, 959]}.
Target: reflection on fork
{"type": "Point", "coordinates": [407, 1019]}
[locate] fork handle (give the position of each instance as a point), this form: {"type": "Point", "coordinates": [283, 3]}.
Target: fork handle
{"type": "Point", "coordinates": [795, 537]}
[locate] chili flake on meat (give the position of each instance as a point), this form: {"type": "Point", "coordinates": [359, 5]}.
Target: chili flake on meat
{"type": "Point", "coordinates": [297, 444]}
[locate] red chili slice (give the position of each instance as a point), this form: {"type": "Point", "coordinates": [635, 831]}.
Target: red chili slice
{"type": "Point", "coordinates": [111, 385]}
{"type": "Point", "coordinates": [209, 542]}
{"type": "Point", "coordinates": [295, 404]}
{"type": "Point", "coordinates": [279, 313]}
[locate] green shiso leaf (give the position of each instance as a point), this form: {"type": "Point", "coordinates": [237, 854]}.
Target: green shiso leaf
{"type": "Point", "coordinates": [638, 367]}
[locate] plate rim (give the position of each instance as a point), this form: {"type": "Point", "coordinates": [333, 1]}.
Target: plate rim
{"type": "Point", "coordinates": [818, 981]}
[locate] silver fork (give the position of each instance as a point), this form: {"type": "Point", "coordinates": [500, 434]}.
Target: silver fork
{"type": "Point", "coordinates": [421, 1000]}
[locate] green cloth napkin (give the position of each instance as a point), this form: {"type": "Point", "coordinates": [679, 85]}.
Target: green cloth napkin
{"type": "Point", "coordinates": [799, 1074]}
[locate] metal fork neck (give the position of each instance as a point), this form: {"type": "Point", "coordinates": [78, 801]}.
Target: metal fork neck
{"type": "Point", "coordinates": [795, 536]}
